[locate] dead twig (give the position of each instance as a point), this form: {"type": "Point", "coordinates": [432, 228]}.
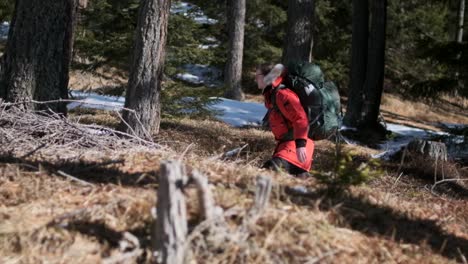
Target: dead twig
{"type": "Point", "coordinates": [74, 178]}
{"type": "Point", "coordinates": [444, 181]}
{"type": "Point", "coordinates": [396, 181]}
{"type": "Point", "coordinates": [185, 152]}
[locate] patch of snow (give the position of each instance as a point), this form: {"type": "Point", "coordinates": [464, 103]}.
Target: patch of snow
{"type": "Point", "coordinates": [188, 77]}
{"type": "Point", "coordinates": [200, 74]}
{"type": "Point", "coordinates": [95, 101]}
{"type": "Point", "coordinates": [453, 126]}
{"type": "Point", "coordinates": [239, 114]}
{"type": "Point", "coordinates": [208, 46]}
{"type": "Point", "coordinates": [202, 19]}
{"type": "Point", "coordinates": [181, 8]}
{"type": "Point", "coordinates": [404, 135]}
{"type": "Point", "coordinates": [4, 28]}
{"type": "Point", "coordinates": [192, 11]}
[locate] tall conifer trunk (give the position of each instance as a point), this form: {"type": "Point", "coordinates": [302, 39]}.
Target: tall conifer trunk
{"type": "Point", "coordinates": [299, 34]}
{"type": "Point", "coordinates": [233, 72]}
{"type": "Point", "coordinates": [461, 20]}
{"type": "Point", "coordinates": [358, 62]}
{"type": "Point", "coordinates": [38, 53]}
{"type": "Point", "coordinates": [373, 87]}
{"type": "Point", "coordinates": [144, 85]}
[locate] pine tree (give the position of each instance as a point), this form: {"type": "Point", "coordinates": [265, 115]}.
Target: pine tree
{"type": "Point", "coordinates": [144, 85]}
{"type": "Point", "coordinates": [367, 69]}
{"type": "Point", "coordinates": [358, 62]}
{"type": "Point", "coordinates": [373, 86]}
{"type": "Point", "coordinates": [38, 53]}
{"type": "Point", "coordinates": [299, 34]}
{"type": "Point", "coordinates": [461, 20]}
{"type": "Point", "coordinates": [233, 72]}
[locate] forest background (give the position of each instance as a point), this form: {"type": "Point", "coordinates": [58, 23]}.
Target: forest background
{"type": "Point", "coordinates": [405, 214]}
{"type": "Point", "coordinates": [420, 59]}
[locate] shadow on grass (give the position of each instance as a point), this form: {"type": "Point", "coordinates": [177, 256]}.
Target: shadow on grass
{"type": "Point", "coordinates": [91, 172]}
{"type": "Point", "coordinates": [423, 172]}
{"type": "Point", "coordinates": [212, 139]}
{"type": "Point", "coordinates": [109, 237]}
{"type": "Point", "coordinates": [375, 220]}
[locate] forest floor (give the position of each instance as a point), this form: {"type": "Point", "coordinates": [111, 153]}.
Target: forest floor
{"type": "Point", "coordinates": [396, 217]}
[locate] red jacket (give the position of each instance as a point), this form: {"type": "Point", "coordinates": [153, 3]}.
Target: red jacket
{"type": "Point", "coordinates": [289, 113]}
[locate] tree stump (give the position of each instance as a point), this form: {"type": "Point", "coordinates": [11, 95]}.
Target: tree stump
{"type": "Point", "coordinates": [209, 210]}
{"type": "Point", "coordinates": [170, 231]}
{"type": "Point", "coordinates": [262, 195]}
{"type": "Point", "coordinates": [431, 149]}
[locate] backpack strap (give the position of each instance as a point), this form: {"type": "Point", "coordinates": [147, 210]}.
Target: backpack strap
{"type": "Point", "coordinates": [290, 134]}
{"type": "Point", "coordinates": [296, 78]}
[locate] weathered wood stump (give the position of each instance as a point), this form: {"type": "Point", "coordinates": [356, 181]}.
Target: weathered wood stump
{"type": "Point", "coordinates": [170, 231]}
{"type": "Point", "coordinates": [430, 149]}
{"type": "Point", "coordinates": [170, 243]}
{"type": "Point", "coordinates": [262, 195]}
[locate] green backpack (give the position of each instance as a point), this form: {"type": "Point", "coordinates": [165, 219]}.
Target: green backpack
{"type": "Point", "coordinates": [320, 99]}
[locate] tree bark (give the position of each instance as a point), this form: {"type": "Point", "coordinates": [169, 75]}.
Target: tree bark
{"type": "Point", "coordinates": [373, 86]}
{"type": "Point", "coordinates": [358, 62]}
{"type": "Point", "coordinates": [233, 72]}
{"type": "Point", "coordinates": [461, 19]}
{"type": "Point", "coordinates": [299, 35]}
{"type": "Point", "coordinates": [144, 85]}
{"type": "Point", "coordinates": [38, 53]}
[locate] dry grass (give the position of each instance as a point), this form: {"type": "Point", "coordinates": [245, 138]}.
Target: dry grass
{"type": "Point", "coordinates": [424, 115]}
{"type": "Point", "coordinates": [104, 78]}
{"type": "Point", "coordinates": [48, 218]}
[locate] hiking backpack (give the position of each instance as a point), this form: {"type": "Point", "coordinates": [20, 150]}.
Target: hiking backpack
{"type": "Point", "coordinates": [320, 99]}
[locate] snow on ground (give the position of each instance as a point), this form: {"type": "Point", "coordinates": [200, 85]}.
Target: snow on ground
{"type": "Point", "coordinates": [239, 114]}
{"type": "Point", "coordinates": [192, 11]}
{"type": "Point", "coordinates": [200, 74]}
{"type": "Point", "coordinates": [235, 113]}
{"type": "Point", "coordinates": [96, 101]}
{"type": "Point", "coordinates": [4, 27]}
{"type": "Point", "coordinates": [403, 136]}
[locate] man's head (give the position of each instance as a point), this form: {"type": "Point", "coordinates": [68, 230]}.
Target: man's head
{"type": "Point", "coordinates": [267, 74]}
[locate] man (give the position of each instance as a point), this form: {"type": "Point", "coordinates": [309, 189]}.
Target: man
{"type": "Point", "coordinates": [288, 121]}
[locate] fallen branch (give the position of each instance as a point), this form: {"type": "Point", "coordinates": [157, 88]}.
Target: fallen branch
{"type": "Point", "coordinates": [444, 181]}
{"type": "Point", "coordinates": [74, 178]}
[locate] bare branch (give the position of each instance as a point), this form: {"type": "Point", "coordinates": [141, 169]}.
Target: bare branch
{"type": "Point", "coordinates": [74, 178]}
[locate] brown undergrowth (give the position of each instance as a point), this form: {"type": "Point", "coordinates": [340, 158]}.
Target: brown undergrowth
{"type": "Point", "coordinates": [102, 212]}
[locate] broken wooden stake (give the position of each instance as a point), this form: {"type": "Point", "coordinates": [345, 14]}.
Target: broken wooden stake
{"type": "Point", "coordinates": [262, 195]}
{"type": "Point", "coordinates": [170, 232]}
{"type": "Point", "coordinates": [205, 196]}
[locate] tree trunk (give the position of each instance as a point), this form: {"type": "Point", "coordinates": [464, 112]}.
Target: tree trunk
{"type": "Point", "coordinates": [461, 19]}
{"type": "Point", "coordinates": [373, 86]}
{"type": "Point", "coordinates": [233, 71]}
{"type": "Point", "coordinates": [38, 53]}
{"type": "Point", "coordinates": [299, 37]}
{"type": "Point", "coordinates": [144, 85]}
{"type": "Point", "coordinates": [358, 62]}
